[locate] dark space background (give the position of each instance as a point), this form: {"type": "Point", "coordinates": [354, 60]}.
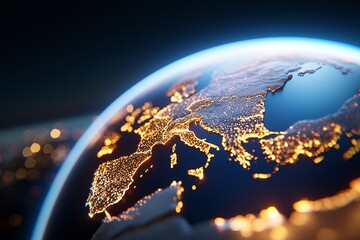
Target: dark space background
{"type": "Point", "coordinates": [65, 59]}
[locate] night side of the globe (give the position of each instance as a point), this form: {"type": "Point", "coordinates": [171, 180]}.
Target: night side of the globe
{"type": "Point", "coordinates": [258, 140]}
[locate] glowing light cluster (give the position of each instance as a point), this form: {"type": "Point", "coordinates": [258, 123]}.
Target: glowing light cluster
{"type": "Point", "coordinates": [197, 172]}
{"type": "Point", "coordinates": [55, 133]}
{"type": "Point", "coordinates": [271, 224]}
{"type": "Point", "coordinates": [27, 158]}
{"type": "Point", "coordinates": [182, 90]}
{"type": "Point", "coordinates": [230, 108]}
{"type": "Point", "coordinates": [138, 115]}
{"type": "Point", "coordinates": [173, 157]}
{"type": "Point", "coordinates": [336, 201]}
{"type": "Point", "coordinates": [353, 149]}
{"type": "Point", "coordinates": [312, 138]}
{"type": "Point", "coordinates": [109, 144]}
{"type": "Point", "coordinates": [268, 218]}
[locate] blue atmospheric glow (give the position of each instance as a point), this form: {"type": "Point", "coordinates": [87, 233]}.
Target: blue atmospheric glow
{"type": "Point", "coordinates": [197, 60]}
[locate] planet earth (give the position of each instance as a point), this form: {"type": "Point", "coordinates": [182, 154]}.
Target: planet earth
{"type": "Point", "coordinates": [246, 140]}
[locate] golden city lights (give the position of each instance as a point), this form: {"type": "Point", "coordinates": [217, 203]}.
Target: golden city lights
{"type": "Point", "coordinates": [32, 160]}
{"type": "Point", "coordinates": [179, 207]}
{"type": "Point", "coordinates": [228, 108]}
{"type": "Point", "coordinates": [197, 172]}
{"type": "Point", "coordinates": [173, 157]}
{"type": "Point", "coordinates": [353, 149]}
{"type": "Point", "coordinates": [182, 90]}
{"type": "Point", "coordinates": [303, 206]}
{"type": "Point", "coordinates": [135, 210]}
{"type": "Point", "coordinates": [268, 218]}
{"type": "Point", "coordinates": [138, 115]}
{"type": "Point", "coordinates": [130, 108]}
{"type": "Point", "coordinates": [318, 159]}
{"type": "Point", "coordinates": [27, 152]}
{"type": "Point", "coordinates": [306, 138]}
{"type": "Point", "coordinates": [35, 148]}
{"type": "Point", "coordinates": [239, 223]}
{"type": "Point", "coordinates": [261, 175]}
{"type": "Point", "coordinates": [271, 224]}
{"type": "Point", "coordinates": [109, 144]}
{"type": "Point", "coordinates": [219, 222]}
{"type": "Point", "coordinates": [299, 219]}
{"type": "Point", "coordinates": [55, 133]}
{"type": "Point", "coordinates": [336, 201]}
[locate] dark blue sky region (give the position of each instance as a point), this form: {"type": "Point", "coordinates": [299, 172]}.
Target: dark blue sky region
{"type": "Point", "coordinates": [64, 59]}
